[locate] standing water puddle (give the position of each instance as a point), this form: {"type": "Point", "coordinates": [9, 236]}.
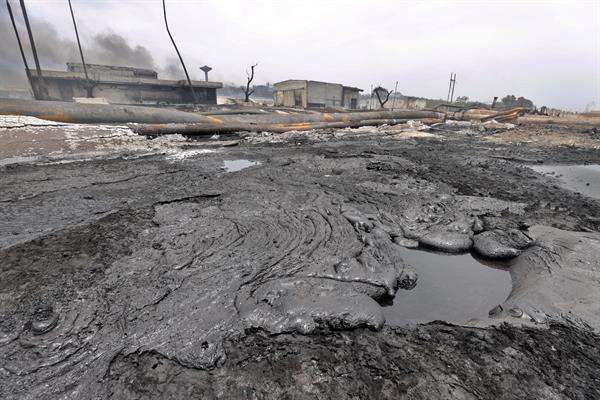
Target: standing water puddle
{"type": "Point", "coordinates": [451, 288]}
{"type": "Point", "coordinates": [238, 165]}
{"type": "Point", "coordinates": [584, 179]}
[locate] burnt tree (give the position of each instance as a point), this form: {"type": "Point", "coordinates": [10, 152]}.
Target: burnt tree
{"type": "Point", "coordinates": [382, 92]}
{"type": "Point", "coordinates": [250, 76]}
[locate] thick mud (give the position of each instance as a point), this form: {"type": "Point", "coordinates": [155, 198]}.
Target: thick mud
{"type": "Point", "coordinates": [434, 361]}
{"type": "Point", "coordinates": [156, 273]}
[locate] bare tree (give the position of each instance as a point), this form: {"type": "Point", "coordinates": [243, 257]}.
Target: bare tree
{"type": "Point", "coordinates": [382, 92]}
{"type": "Point", "coordinates": [250, 77]}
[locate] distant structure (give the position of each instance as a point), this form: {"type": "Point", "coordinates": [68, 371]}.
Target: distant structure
{"type": "Point", "coordinates": [592, 107]}
{"type": "Point", "coordinates": [206, 69]}
{"type": "Point", "coordinates": [309, 94]}
{"type": "Point", "coordinates": [124, 85]}
{"type": "Point", "coordinates": [15, 93]}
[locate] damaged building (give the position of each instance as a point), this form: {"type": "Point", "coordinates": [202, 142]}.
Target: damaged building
{"type": "Point", "coordinates": [305, 94]}
{"type": "Point", "coordinates": [122, 85]}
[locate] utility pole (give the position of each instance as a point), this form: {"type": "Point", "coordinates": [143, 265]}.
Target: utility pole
{"type": "Point", "coordinates": [27, 72]}
{"type": "Point", "coordinates": [88, 88]}
{"type": "Point", "coordinates": [42, 91]}
{"type": "Point", "coordinates": [450, 96]}
{"type": "Point", "coordinates": [178, 54]}
{"type": "Point", "coordinates": [395, 95]}
{"type": "Point", "coordinates": [453, 85]}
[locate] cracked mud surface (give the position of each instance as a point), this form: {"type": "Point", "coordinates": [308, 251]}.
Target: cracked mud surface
{"type": "Point", "coordinates": [240, 284]}
{"type": "Point", "coordinates": [434, 361]}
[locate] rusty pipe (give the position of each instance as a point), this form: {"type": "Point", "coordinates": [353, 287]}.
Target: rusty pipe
{"type": "Point", "coordinates": [80, 113]}
{"type": "Point", "coordinates": [209, 129]}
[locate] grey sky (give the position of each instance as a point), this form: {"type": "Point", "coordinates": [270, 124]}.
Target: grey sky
{"type": "Point", "coordinates": [548, 51]}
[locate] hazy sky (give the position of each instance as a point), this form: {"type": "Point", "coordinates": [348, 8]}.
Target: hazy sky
{"type": "Point", "coordinates": [548, 51]}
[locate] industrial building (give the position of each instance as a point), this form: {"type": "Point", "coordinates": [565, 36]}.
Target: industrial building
{"type": "Point", "coordinates": [14, 93]}
{"type": "Point", "coordinates": [122, 85]}
{"type": "Point", "coordinates": [305, 94]}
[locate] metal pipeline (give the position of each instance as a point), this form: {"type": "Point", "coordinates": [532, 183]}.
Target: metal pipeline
{"type": "Point", "coordinates": [117, 114]}
{"type": "Point", "coordinates": [482, 115]}
{"type": "Point", "coordinates": [204, 129]}
{"type": "Point", "coordinates": [81, 113]}
{"type": "Point", "coordinates": [273, 118]}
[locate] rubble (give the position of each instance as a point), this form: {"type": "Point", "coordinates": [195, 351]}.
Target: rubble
{"type": "Point", "coordinates": [29, 139]}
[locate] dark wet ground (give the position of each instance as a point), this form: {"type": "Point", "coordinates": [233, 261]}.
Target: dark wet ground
{"type": "Point", "coordinates": [436, 361]}
{"type": "Point", "coordinates": [584, 179]}
{"type": "Point", "coordinates": [153, 277]}
{"type": "Point", "coordinates": [453, 288]}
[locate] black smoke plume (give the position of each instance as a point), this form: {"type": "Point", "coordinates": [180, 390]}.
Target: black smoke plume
{"type": "Point", "coordinates": [55, 51]}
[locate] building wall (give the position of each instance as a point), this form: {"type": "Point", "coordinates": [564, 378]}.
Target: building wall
{"type": "Point", "coordinates": [290, 93]}
{"type": "Point", "coordinates": [300, 93]}
{"type": "Point", "coordinates": [408, 103]}
{"type": "Point", "coordinates": [105, 72]}
{"type": "Point", "coordinates": [397, 102]}
{"type": "Point", "coordinates": [350, 95]}
{"type": "Point", "coordinates": [66, 89]}
{"type": "Point", "coordinates": [15, 93]}
{"type": "Point", "coordinates": [290, 98]}
{"type": "Point", "coordinates": [322, 94]}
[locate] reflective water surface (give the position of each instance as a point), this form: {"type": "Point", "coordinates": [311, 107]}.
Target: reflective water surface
{"type": "Point", "coordinates": [238, 165]}
{"type": "Point", "coordinates": [584, 179]}
{"type": "Point", "coordinates": [452, 288]}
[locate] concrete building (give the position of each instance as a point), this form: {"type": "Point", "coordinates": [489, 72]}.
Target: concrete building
{"type": "Point", "coordinates": [399, 102]}
{"type": "Point", "coordinates": [124, 85]}
{"type": "Point", "coordinates": [15, 93]}
{"type": "Point", "coordinates": [302, 93]}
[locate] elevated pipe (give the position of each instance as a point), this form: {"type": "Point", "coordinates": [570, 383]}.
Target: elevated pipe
{"type": "Point", "coordinates": [204, 129]}
{"type": "Point", "coordinates": [80, 113]}
{"type": "Point", "coordinates": [334, 117]}
{"type": "Point", "coordinates": [62, 111]}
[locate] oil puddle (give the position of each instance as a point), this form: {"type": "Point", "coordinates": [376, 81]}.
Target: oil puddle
{"type": "Point", "coordinates": [584, 179]}
{"type": "Point", "coordinates": [451, 288]}
{"type": "Point", "coordinates": [238, 165]}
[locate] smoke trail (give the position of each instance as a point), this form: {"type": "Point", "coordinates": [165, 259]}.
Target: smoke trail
{"type": "Point", "coordinates": [172, 69]}
{"type": "Point", "coordinates": [55, 51]}
{"type": "Point", "coordinates": [111, 48]}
